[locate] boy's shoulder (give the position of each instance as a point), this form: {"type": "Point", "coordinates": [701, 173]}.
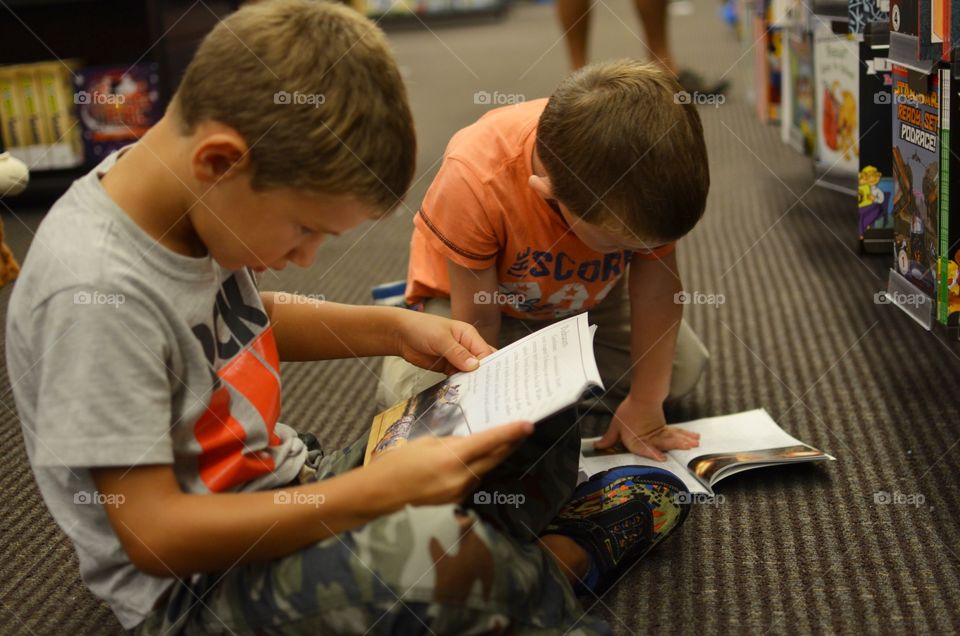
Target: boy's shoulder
{"type": "Point", "coordinates": [87, 245]}
{"type": "Point", "coordinates": [501, 136]}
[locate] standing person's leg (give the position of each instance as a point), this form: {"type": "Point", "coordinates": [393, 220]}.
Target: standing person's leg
{"type": "Point", "coordinates": [653, 14]}
{"type": "Point", "coordinates": [575, 22]}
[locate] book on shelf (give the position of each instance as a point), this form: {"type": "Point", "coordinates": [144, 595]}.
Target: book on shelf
{"type": "Point", "coordinates": [37, 114]}
{"type": "Point", "coordinates": [116, 106]}
{"type": "Point", "coordinates": [875, 180]}
{"type": "Point", "coordinates": [836, 72]}
{"type": "Point", "coordinates": [916, 180]}
{"type": "Point", "coordinates": [948, 259]}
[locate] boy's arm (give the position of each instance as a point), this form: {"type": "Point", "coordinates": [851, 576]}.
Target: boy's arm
{"type": "Point", "coordinates": [165, 531]}
{"type": "Point", "coordinates": [639, 423]}
{"type": "Point", "coordinates": [473, 299]}
{"type": "Point", "coordinates": [307, 329]}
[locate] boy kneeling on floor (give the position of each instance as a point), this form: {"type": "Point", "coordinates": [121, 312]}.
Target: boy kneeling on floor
{"type": "Point", "coordinates": [147, 367]}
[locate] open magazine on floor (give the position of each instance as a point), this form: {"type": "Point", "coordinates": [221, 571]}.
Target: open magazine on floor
{"type": "Point", "coordinates": [729, 444]}
{"type": "Point", "coordinates": [530, 379]}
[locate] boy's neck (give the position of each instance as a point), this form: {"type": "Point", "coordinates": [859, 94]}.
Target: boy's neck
{"type": "Point", "coordinates": [146, 185]}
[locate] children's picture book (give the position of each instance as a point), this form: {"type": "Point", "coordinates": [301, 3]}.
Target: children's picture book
{"type": "Point", "coordinates": [530, 379]}
{"type": "Point", "coordinates": [798, 127]}
{"type": "Point", "coordinates": [729, 444]}
{"type": "Point", "coordinates": [837, 70]}
{"type": "Point", "coordinates": [916, 178]}
{"type": "Point", "coordinates": [875, 181]}
{"type": "Point", "coordinates": [948, 270]}
{"type": "Point", "coordinates": [116, 106]}
{"type": "Point", "coordinates": [767, 66]}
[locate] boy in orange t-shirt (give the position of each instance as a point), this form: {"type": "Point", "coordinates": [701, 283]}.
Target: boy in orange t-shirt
{"type": "Point", "coordinates": [536, 214]}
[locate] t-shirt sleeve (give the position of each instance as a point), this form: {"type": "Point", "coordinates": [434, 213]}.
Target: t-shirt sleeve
{"type": "Point", "coordinates": [104, 391]}
{"type": "Point", "coordinates": [656, 253]}
{"type": "Point", "coordinates": [458, 220]}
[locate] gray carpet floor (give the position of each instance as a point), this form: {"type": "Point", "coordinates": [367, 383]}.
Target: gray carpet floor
{"type": "Point", "coordinates": [804, 550]}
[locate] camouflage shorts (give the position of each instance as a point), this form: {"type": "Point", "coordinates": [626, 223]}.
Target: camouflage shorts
{"type": "Point", "coordinates": [474, 569]}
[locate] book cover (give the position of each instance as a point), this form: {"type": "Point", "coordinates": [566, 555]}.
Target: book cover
{"type": "Point", "coordinates": [38, 134]}
{"type": "Point", "coordinates": [802, 122]}
{"type": "Point", "coordinates": [837, 71]}
{"type": "Point", "coordinates": [875, 179]}
{"type": "Point", "coordinates": [916, 179]}
{"type": "Point", "coordinates": [948, 278]}
{"type": "Point", "coordinates": [55, 81]}
{"type": "Point", "coordinates": [116, 105]}
{"type": "Point", "coordinates": [11, 117]}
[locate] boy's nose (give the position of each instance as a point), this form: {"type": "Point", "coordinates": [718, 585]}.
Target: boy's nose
{"type": "Point", "coordinates": [303, 255]}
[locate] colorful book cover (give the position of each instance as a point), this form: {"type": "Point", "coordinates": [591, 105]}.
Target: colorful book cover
{"type": "Point", "coordinates": [875, 182]}
{"type": "Point", "coordinates": [916, 180]}
{"type": "Point", "coordinates": [38, 135]}
{"type": "Point", "coordinates": [768, 55]}
{"type": "Point", "coordinates": [116, 105]}
{"type": "Point", "coordinates": [948, 279]}
{"type": "Point", "coordinates": [11, 116]}
{"type": "Point", "coordinates": [803, 120]}
{"type": "Point", "coordinates": [837, 70]}
{"type": "Point", "coordinates": [55, 81]}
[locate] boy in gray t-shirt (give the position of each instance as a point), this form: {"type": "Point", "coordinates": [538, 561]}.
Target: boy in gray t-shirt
{"type": "Point", "coordinates": [145, 366]}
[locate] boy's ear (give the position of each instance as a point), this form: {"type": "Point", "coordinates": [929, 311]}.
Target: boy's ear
{"type": "Point", "coordinates": [220, 156]}
{"type": "Point", "coordinates": [542, 186]}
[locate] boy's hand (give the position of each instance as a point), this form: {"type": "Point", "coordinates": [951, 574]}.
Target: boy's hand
{"type": "Point", "coordinates": [431, 471]}
{"type": "Point", "coordinates": [643, 430]}
{"type": "Point", "coordinates": [440, 344]}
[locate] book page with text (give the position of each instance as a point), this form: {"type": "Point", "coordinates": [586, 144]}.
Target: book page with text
{"type": "Point", "coordinates": [531, 378]}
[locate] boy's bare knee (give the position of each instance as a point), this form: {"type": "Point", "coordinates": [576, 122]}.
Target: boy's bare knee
{"type": "Point", "coordinates": [461, 566]}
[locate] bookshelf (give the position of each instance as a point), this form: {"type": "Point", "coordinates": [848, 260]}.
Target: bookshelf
{"type": "Point", "coordinates": [103, 32]}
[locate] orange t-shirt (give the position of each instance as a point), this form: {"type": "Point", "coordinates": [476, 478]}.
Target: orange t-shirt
{"type": "Point", "coordinates": [480, 211]}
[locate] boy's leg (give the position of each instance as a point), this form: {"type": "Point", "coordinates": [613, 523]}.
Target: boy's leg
{"type": "Point", "coordinates": [439, 569]}
{"type": "Point", "coordinates": [612, 344]}
{"type": "Point", "coordinates": [398, 378]}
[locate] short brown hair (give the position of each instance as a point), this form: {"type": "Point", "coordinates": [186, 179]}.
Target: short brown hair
{"type": "Point", "coordinates": [625, 150]}
{"type": "Point", "coordinates": [314, 90]}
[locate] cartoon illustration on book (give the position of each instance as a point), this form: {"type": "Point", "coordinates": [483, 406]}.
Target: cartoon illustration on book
{"type": "Point", "coordinates": [916, 172]}
{"type": "Point", "coordinates": [953, 284]}
{"type": "Point", "coordinates": [874, 199]}
{"type": "Point", "coordinates": [436, 411]}
{"type": "Point", "coordinates": [840, 120]}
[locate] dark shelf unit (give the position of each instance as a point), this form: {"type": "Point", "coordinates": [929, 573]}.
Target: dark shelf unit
{"type": "Point", "coordinates": [101, 32]}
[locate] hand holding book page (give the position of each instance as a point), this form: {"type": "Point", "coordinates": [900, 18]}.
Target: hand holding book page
{"type": "Point", "coordinates": [530, 379]}
{"type": "Point", "coordinates": [729, 444]}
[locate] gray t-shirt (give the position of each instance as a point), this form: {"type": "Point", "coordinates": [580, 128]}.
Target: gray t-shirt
{"type": "Point", "coordinates": [124, 353]}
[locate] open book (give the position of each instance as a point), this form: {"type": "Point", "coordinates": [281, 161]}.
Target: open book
{"type": "Point", "coordinates": [530, 379]}
{"type": "Point", "coordinates": [729, 444]}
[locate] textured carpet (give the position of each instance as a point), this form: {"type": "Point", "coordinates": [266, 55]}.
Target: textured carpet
{"type": "Point", "coordinates": [801, 550]}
